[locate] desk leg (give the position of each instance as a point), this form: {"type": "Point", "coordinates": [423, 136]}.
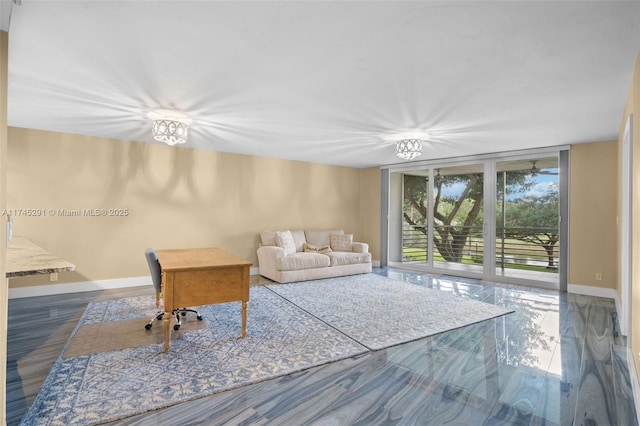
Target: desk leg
{"type": "Point", "coordinates": [244, 319]}
{"type": "Point", "coordinates": [167, 330]}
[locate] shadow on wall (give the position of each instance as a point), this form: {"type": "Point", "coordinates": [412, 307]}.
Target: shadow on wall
{"type": "Point", "coordinates": [135, 160]}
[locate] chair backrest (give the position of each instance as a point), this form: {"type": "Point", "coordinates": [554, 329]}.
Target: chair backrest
{"type": "Point", "coordinates": [154, 268]}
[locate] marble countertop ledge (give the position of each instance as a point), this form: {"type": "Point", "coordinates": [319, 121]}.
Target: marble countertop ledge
{"type": "Point", "coordinates": [26, 258]}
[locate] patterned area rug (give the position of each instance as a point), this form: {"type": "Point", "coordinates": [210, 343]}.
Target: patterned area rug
{"type": "Point", "coordinates": [96, 388]}
{"type": "Point", "coordinates": [379, 312]}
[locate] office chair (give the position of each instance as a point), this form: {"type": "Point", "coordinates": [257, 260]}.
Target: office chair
{"type": "Point", "coordinates": [156, 277]}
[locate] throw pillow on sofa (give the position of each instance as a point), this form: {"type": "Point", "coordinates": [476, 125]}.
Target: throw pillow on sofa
{"type": "Point", "coordinates": [284, 239]}
{"type": "Point", "coordinates": [310, 248]}
{"type": "Point", "coordinates": [342, 242]}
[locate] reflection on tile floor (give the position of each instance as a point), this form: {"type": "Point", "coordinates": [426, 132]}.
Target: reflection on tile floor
{"type": "Point", "coordinates": [559, 359]}
{"type": "Point", "coordinates": [465, 269]}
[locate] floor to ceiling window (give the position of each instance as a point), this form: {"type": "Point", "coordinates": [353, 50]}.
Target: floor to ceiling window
{"type": "Point", "coordinates": [494, 218]}
{"type": "Point", "coordinates": [415, 231]}
{"type": "Point", "coordinates": [527, 226]}
{"type": "Point", "coordinates": [458, 217]}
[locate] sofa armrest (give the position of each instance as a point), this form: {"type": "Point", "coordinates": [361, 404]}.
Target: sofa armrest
{"type": "Point", "coordinates": [267, 256]}
{"type": "Point", "coordinates": [360, 247]}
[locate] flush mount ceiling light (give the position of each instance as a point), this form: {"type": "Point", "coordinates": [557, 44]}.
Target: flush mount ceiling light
{"type": "Point", "coordinates": [171, 132]}
{"type": "Point", "coordinates": [408, 149]}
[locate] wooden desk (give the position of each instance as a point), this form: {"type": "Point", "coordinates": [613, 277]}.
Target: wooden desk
{"type": "Point", "coordinates": [202, 276]}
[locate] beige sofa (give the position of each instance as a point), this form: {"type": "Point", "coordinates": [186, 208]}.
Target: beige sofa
{"type": "Point", "coordinates": [288, 256]}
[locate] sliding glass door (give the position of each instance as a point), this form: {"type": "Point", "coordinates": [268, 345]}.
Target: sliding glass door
{"type": "Point", "coordinates": [458, 218]}
{"type": "Point", "coordinates": [491, 219]}
{"type": "Point", "coordinates": [415, 208]}
{"type": "Point", "coordinates": [527, 219]}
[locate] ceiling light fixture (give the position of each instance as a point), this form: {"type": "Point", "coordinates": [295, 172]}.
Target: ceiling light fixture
{"type": "Point", "coordinates": [170, 132]}
{"type": "Point", "coordinates": [408, 149]}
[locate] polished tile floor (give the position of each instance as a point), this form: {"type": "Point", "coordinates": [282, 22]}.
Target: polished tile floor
{"type": "Point", "coordinates": [558, 360]}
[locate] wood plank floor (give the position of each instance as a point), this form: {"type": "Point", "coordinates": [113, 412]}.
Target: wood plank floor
{"type": "Point", "coordinates": [559, 360]}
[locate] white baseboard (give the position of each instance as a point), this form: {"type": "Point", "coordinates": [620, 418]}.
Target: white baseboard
{"type": "Point", "coordinates": [47, 290]}
{"type": "Point", "coordinates": [635, 385]}
{"type": "Point", "coordinates": [51, 289]}
{"type": "Point", "coordinates": [588, 290]}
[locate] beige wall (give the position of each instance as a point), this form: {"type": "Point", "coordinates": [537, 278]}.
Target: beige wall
{"type": "Point", "coordinates": [370, 208]}
{"type": "Point", "coordinates": [174, 196]}
{"type": "Point", "coordinates": [4, 43]}
{"type": "Point", "coordinates": [592, 214]}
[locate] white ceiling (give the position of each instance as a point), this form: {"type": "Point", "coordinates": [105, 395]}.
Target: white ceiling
{"type": "Point", "coordinates": [325, 81]}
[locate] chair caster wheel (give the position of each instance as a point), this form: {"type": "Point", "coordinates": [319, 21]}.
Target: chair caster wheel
{"type": "Point", "coordinates": [147, 327]}
{"type": "Point", "coordinates": [199, 317]}
{"type": "Point", "coordinates": [183, 313]}
{"type": "Point", "coordinates": [159, 317]}
{"type": "Point", "coordinates": [176, 327]}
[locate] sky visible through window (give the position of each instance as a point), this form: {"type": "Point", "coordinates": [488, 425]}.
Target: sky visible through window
{"type": "Point", "coordinates": [540, 185]}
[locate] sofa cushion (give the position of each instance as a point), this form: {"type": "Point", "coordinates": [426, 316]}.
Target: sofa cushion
{"type": "Point", "coordinates": [268, 238]}
{"type": "Point", "coordinates": [348, 258]}
{"type": "Point", "coordinates": [309, 248]}
{"type": "Point", "coordinates": [299, 240]}
{"type": "Point", "coordinates": [360, 247]}
{"type": "Point", "coordinates": [321, 237]}
{"type": "Point", "coordinates": [284, 239]}
{"type": "Point", "coordinates": [296, 261]}
{"type": "Point", "coordinates": [341, 242]}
